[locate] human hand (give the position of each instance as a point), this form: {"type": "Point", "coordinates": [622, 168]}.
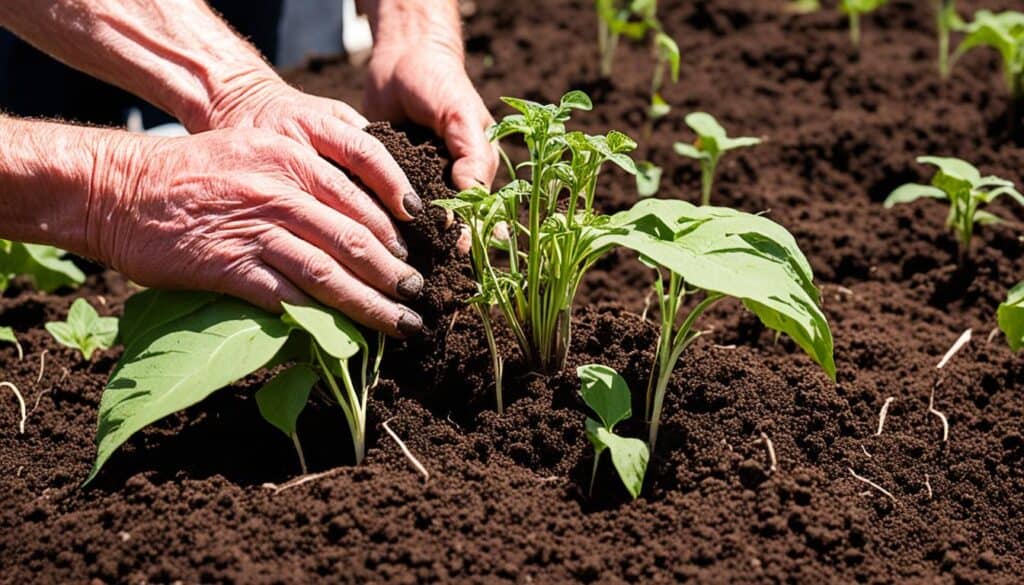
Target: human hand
{"type": "Point", "coordinates": [330, 127]}
{"type": "Point", "coordinates": [425, 81]}
{"type": "Point", "coordinates": [251, 214]}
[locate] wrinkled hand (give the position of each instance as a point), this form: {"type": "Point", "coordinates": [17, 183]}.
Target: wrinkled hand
{"type": "Point", "coordinates": [426, 82]}
{"type": "Point", "coordinates": [330, 127]}
{"type": "Point", "coordinates": [252, 214]}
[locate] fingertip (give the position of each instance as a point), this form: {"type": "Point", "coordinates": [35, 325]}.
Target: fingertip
{"type": "Point", "coordinates": [409, 323]}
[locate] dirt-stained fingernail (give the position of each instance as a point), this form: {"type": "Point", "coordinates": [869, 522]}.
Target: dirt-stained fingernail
{"type": "Point", "coordinates": [409, 323]}
{"type": "Point", "coordinates": [398, 249]}
{"type": "Point", "coordinates": [410, 286]}
{"type": "Point", "coordinates": [413, 204]}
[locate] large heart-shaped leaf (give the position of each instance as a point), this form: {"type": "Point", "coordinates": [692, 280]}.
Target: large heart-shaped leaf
{"type": "Point", "coordinates": [182, 362]}
{"type": "Point", "coordinates": [733, 253]}
{"type": "Point", "coordinates": [151, 308]}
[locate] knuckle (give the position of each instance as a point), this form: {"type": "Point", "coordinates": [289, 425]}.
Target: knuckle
{"type": "Point", "coordinates": [356, 242]}
{"type": "Point", "coordinates": [363, 150]}
{"type": "Point", "coordinates": [316, 270]}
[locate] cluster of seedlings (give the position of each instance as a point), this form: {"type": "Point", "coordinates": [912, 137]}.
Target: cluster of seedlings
{"type": "Point", "coordinates": [532, 241]}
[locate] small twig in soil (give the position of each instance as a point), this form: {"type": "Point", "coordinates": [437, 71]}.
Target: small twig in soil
{"type": "Point", "coordinates": [942, 417]}
{"type": "Point", "coordinates": [64, 375]}
{"type": "Point", "coordinates": [405, 451]}
{"type": "Point", "coordinates": [928, 484]}
{"type": "Point", "coordinates": [845, 291]}
{"type": "Point", "coordinates": [992, 335]}
{"type": "Point", "coordinates": [300, 480]}
{"type": "Point", "coordinates": [21, 401]}
{"type": "Point", "coordinates": [730, 346]}
{"type": "Point", "coordinates": [884, 412]}
{"type": "Point", "coordinates": [20, 469]}
{"type": "Point", "coordinates": [42, 366]}
{"type": "Point", "coordinates": [960, 342]}
{"type": "Point", "coordinates": [874, 485]}
{"type": "Point", "coordinates": [38, 398]}
{"type": "Point", "coordinates": [771, 453]}
{"type": "Point", "coordinates": [455, 317]}
{"type": "Point", "coordinates": [865, 450]}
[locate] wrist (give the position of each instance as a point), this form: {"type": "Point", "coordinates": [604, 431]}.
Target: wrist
{"type": "Point", "coordinates": [402, 25]}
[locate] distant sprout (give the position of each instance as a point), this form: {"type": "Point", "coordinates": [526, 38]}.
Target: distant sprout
{"type": "Point", "coordinates": [711, 143]}
{"type": "Point", "coordinates": [7, 336]}
{"type": "Point", "coordinates": [636, 19]}
{"type": "Point", "coordinates": [667, 59]}
{"type": "Point", "coordinates": [947, 20]}
{"type": "Point", "coordinates": [1003, 32]}
{"type": "Point", "coordinates": [967, 191]}
{"type": "Point", "coordinates": [853, 9]}
{"type": "Point", "coordinates": [1011, 317]}
{"type": "Point", "coordinates": [607, 394]}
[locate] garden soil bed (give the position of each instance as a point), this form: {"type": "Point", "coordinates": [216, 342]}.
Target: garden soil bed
{"type": "Point", "coordinates": [192, 498]}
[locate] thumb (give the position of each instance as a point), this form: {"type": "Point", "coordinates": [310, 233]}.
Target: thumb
{"type": "Point", "coordinates": [476, 158]}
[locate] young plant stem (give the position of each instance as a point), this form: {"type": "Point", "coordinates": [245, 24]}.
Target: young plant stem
{"type": "Point", "coordinates": [671, 345]}
{"type": "Point", "coordinates": [944, 10]}
{"type": "Point", "coordinates": [355, 414]}
{"type": "Point", "coordinates": [298, 450]}
{"type": "Point", "coordinates": [855, 29]}
{"type": "Point", "coordinates": [496, 360]}
{"type": "Point", "coordinates": [593, 473]}
{"type": "Point", "coordinates": [607, 43]}
{"type": "Point", "coordinates": [707, 179]}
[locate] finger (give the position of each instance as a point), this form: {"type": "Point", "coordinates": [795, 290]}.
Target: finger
{"type": "Point", "coordinates": [476, 158]}
{"type": "Point", "coordinates": [348, 114]}
{"type": "Point", "coordinates": [364, 156]}
{"type": "Point", "coordinates": [351, 244]}
{"type": "Point", "coordinates": [315, 272]}
{"type": "Point", "coordinates": [264, 287]}
{"type": "Point", "coordinates": [334, 189]}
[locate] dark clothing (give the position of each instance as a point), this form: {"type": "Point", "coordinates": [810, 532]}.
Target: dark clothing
{"type": "Point", "coordinates": [34, 85]}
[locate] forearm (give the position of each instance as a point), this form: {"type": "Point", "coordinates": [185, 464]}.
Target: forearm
{"type": "Point", "coordinates": [50, 178]}
{"type": "Point", "coordinates": [401, 22]}
{"type": "Point", "coordinates": [176, 54]}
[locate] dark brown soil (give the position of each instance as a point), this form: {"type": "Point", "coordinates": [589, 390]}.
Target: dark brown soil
{"type": "Point", "coordinates": [186, 500]}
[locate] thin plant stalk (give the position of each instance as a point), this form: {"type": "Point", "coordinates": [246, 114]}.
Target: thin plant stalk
{"type": "Point", "coordinates": [944, 9]}
{"type": "Point", "coordinates": [671, 345]}
{"type": "Point", "coordinates": [707, 179]}
{"type": "Point", "coordinates": [298, 451]}
{"type": "Point", "coordinates": [855, 28]}
{"type": "Point", "coordinates": [497, 362]}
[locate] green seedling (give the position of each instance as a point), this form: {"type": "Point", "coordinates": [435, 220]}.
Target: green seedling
{"type": "Point", "coordinates": [959, 183]}
{"type": "Point", "coordinates": [45, 266]}
{"type": "Point", "coordinates": [713, 253]}
{"type": "Point", "coordinates": [1003, 32]}
{"type": "Point", "coordinates": [531, 272]}
{"type": "Point", "coordinates": [7, 336]}
{"type": "Point", "coordinates": [712, 142]}
{"type": "Point", "coordinates": [282, 399]}
{"type": "Point", "coordinates": [947, 21]}
{"type": "Point", "coordinates": [84, 330]}
{"type": "Point", "coordinates": [1011, 317]}
{"type": "Point", "coordinates": [534, 291]}
{"type": "Point", "coordinates": [607, 394]}
{"type": "Point", "coordinates": [637, 19]}
{"type": "Point", "coordinates": [180, 347]}
{"type": "Point", "coordinates": [854, 9]}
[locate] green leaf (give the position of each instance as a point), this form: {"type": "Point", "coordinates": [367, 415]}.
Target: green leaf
{"type": "Point", "coordinates": [7, 336]}
{"type": "Point", "coordinates": [333, 332]}
{"type": "Point", "coordinates": [84, 330]}
{"type": "Point", "coordinates": [576, 100]}
{"type": "Point", "coordinates": [735, 254]}
{"type": "Point", "coordinates": [706, 126]}
{"type": "Point", "coordinates": [629, 456]}
{"type": "Point", "coordinates": [151, 308]}
{"type": "Point", "coordinates": [182, 362]}
{"type": "Point", "coordinates": [43, 265]}
{"type": "Point", "coordinates": [912, 192]}
{"type": "Point", "coordinates": [282, 399]}
{"type": "Point", "coordinates": [1011, 317]}
{"type": "Point", "coordinates": [954, 168]}
{"type": "Point", "coordinates": [606, 393]}
{"type": "Point", "coordinates": [659, 108]}
{"type": "Point", "coordinates": [690, 151]}
{"type": "Point", "coordinates": [648, 179]}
